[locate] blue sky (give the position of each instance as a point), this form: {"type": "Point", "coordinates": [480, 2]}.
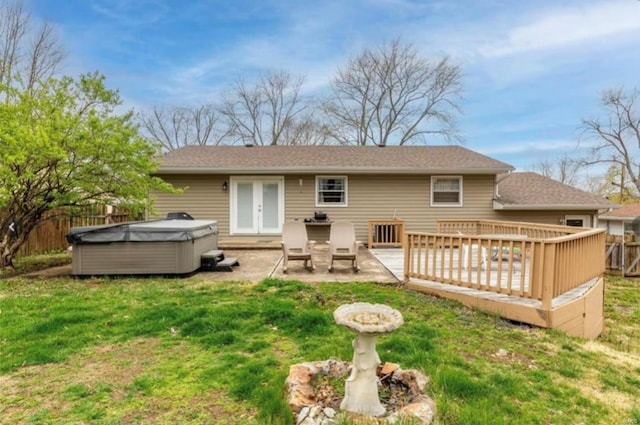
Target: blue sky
{"type": "Point", "coordinates": [532, 68]}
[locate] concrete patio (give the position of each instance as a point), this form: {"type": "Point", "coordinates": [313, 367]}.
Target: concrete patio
{"type": "Point", "coordinates": [259, 264]}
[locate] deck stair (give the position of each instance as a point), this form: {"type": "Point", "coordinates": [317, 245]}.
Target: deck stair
{"type": "Point", "coordinates": [215, 261]}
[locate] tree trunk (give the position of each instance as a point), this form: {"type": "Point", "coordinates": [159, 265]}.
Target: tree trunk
{"type": "Point", "coordinates": [12, 238]}
{"type": "Point", "coordinates": [6, 256]}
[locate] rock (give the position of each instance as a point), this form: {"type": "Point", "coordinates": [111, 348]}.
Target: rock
{"type": "Point", "coordinates": [315, 411]}
{"type": "Point", "coordinates": [415, 380]}
{"type": "Point", "coordinates": [302, 415]}
{"type": "Point", "coordinates": [310, 417]}
{"type": "Point", "coordinates": [300, 391]}
{"type": "Point", "coordinates": [335, 368]}
{"type": "Point", "coordinates": [329, 412]}
{"type": "Point", "coordinates": [298, 374]}
{"type": "Point", "coordinates": [421, 411]}
{"type": "Point", "coordinates": [502, 353]}
{"type": "Point", "coordinates": [312, 400]}
{"type": "Point", "coordinates": [388, 368]}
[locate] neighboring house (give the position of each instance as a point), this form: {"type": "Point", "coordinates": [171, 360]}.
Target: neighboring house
{"type": "Point", "coordinates": [252, 190]}
{"type": "Point", "coordinates": [622, 221]}
{"type": "Point", "coordinates": [529, 196]}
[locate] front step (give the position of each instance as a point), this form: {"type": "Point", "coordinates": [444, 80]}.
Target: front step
{"type": "Point", "coordinates": [215, 261]}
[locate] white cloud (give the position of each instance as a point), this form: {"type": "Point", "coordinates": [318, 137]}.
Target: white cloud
{"type": "Point", "coordinates": [127, 13]}
{"type": "Point", "coordinates": [530, 147]}
{"type": "Point", "coordinates": [578, 25]}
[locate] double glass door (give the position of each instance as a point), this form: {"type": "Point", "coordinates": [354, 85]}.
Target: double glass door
{"type": "Point", "coordinates": [257, 205]}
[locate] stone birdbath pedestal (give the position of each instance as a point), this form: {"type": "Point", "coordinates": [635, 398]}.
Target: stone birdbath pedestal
{"type": "Point", "coordinates": [367, 321]}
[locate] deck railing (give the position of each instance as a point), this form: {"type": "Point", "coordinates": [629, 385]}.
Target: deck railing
{"type": "Point", "coordinates": [386, 233]}
{"type": "Point", "coordinates": [510, 262]}
{"type": "Point", "coordinates": [480, 227]}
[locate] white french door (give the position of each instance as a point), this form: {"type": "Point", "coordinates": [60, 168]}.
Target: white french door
{"type": "Point", "coordinates": [257, 205]}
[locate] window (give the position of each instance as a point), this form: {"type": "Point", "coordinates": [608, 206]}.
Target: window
{"type": "Point", "coordinates": [633, 227]}
{"type": "Point", "coordinates": [446, 191]}
{"type": "Point", "coordinates": [331, 190]}
{"type": "Point", "coordinates": [577, 220]}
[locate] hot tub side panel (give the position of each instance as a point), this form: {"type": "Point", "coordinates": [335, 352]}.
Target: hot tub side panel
{"type": "Point", "coordinates": [168, 257]}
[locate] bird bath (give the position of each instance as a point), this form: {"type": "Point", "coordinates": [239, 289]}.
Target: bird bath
{"type": "Point", "coordinates": [367, 321]}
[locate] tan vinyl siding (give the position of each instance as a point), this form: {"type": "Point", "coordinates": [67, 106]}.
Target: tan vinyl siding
{"type": "Point", "coordinates": [369, 197]}
{"type": "Point", "coordinates": [202, 197]}
{"type": "Point", "coordinates": [379, 197]}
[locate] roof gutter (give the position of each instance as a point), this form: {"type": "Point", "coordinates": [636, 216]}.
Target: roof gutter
{"type": "Point", "coordinates": [324, 170]}
{"type": "Point", "coordinates": [537, 207]}
{"type": "Point", "coordinates": [616, 218]}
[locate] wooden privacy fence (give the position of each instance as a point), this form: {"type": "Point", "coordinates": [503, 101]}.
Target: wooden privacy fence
{"type": "Point", "coordinates": [51, 233]}
{"type": "Point", "coordinates": [623, 258]}
{"type": "Point", "coordinates": [511, 262]}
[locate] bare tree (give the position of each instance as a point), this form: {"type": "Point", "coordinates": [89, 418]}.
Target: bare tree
{"type": "Point", "coordinates": [617, 135]}
{"type": "Point", "coordinates": [270, 112]}
{"type": "Point", "coordinates": [29, 53]}
{"type": "Point", "coordinates": [393, 95]}
{"type": "Point", "coordinates": [563, 169]}
{"type": "Point", "coordinates": [308, 131]}
{"type": "Point", "coordinates": [182, 126]}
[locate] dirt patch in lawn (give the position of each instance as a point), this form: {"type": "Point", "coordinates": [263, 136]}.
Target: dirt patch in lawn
{"type": "Point", "coordinates": [592, 387]}
{"type": "Point", "coordinates": [618, 357]}
{"type": "Point", "coordinates": [113, 378]}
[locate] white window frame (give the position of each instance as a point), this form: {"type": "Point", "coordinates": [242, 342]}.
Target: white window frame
{"type": "Point", "coordinates": [446, 204]}
{"type": "Point", "coordinates": [586, 219]}
{"type": "Point", "coordinates": [332, 204]}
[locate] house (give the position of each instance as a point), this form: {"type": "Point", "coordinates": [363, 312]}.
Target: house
{"type": "Point", "coordinates": [531, 197]}
{"type": "Point", "coordinates": [623, 239]}
{"type": "Point", "coordinates": [252, 190]}
{"type": "Point", "coordinates": [622, 221]}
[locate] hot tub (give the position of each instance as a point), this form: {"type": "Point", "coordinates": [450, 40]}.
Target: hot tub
{"type": "Point", "coordinates": [143, 247]}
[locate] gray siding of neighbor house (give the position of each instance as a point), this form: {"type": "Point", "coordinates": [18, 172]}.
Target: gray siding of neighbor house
{"type": "Point", "coordinates": [369, 197]}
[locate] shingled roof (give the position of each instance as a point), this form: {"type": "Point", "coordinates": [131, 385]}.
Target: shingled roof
{"type": "Point", "coordinates": [527, 191]}
{"type": "Point", "coordinates": [329, 159]}
{"type": "Point", "coordinates": [625, 212]}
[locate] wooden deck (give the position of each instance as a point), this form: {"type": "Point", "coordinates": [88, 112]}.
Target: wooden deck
{"type": "Point", "coordinates": [393, 260]}
{"type": "Point", "coordinates": [547, 276]}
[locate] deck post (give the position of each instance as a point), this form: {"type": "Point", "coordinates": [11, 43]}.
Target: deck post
{"type": "Point", "coordinates": [548, 274]}
{"type": "Point", "coordinates": [408, 247]}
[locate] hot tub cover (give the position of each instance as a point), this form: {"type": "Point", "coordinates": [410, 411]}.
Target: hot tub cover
{"type": "Point", "coordinates": [143, 231]}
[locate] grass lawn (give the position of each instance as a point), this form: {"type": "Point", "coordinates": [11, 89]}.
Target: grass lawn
{"type": "Point", "coordinates": [31, 263]}
{"type": "Point", "coordinates": [182, 351]}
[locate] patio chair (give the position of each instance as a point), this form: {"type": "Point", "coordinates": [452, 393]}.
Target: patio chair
{"type": "Point", "coordinates": [296, 245]}
{"type": "Point", "coordinates": [472, 249]}
{"type": "Point", "coordinates": [343, 244]}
